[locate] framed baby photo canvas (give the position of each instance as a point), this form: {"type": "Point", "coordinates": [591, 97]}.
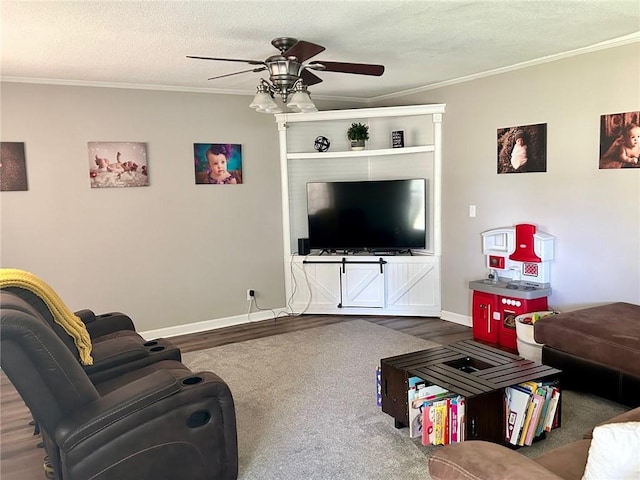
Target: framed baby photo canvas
{"type": "Point", "coordinates": [13, 167]}
{"type": "Point", "coordinates": [217, 163]}
{"type": "Point", "coordinates": [522, 149]}
{"type": "Point", "coordinates": [620, 140]}
{"type": "Point", "coordinates": [118, 164]}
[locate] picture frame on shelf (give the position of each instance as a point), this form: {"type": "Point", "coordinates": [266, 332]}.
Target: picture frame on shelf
{"type": "Point", "coordinates": [397, 139]}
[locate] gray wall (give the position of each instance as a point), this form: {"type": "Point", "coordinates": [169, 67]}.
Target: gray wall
{"type": "Point", "coordinates": [594, 214]}
{"type": "Point", "coordinates": [168, 254]}
{"type": "Point", "coordinates": [176, 253]}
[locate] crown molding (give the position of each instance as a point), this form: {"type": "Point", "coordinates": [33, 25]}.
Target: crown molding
{"type": "Point", "coordinates": [128, 86]}
{"type": "Point", "coordinates": [165, 88]}
{"type": "Point", "coordinates": [616, 42]}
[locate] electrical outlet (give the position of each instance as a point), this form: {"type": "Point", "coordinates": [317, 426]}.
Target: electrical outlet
{"type": "Point", "coordinates": [250, 294]}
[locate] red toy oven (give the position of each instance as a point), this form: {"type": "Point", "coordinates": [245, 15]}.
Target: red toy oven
{"type": "Point", "coordinates": [518, 258]}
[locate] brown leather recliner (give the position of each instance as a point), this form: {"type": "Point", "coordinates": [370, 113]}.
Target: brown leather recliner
{"type": "Point", "coordinates": [161, 423]}
{"type": "Point", "coordinates": [116, 347]}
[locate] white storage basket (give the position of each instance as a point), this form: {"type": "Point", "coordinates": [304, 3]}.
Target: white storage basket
{"type": "Point", "coordinates": [527, 346]}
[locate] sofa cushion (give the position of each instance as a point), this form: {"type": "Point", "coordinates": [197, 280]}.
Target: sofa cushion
{"type": "Point", "coordinates": [614, 452]}
{"type": "Point", "coordinates": [480, 460]}
{"type": "Point", "coordinates": [567, 461]}
{"type": "Point", "coordinates": [628, 416]}
{"type": "Point", "coordinates": [608, 335]}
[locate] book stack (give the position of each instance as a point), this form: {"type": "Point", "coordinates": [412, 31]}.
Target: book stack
{"type": "Point", "coordinates": [531, 408]}
{"type": "Point", "coordinates": [436, 416]}
{"type": "Point", "coordinates": [444, 421]}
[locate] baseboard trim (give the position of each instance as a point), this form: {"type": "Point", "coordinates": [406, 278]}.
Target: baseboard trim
{"type": "Point", "coordinates": [206, 325]}
{"type": "Point", "coordinates": [456, 318]}
{"type": "Point", "coordinates": [213, 324]}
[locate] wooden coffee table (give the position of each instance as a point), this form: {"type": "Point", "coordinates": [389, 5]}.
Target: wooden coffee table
{"type": "Point", "coordinates": [476, 371]}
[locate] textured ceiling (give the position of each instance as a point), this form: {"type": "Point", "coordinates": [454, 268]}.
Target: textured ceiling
{"type": "Point", "coordinates": [420, 42]}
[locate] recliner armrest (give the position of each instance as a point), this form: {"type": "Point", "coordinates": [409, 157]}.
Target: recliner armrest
{"type": "Point", "coordinates": [106, 323]}
{"type": "Point", "coordinates": [86, 315]}
{"type": "Point", "coordinates": [115, 406]}
{"type": "Point", "coordinates": [155, 427]}
{"type": "Point", "coordinates": [114, 352]}
{"type": "Point", "coordinates": [475, 460]}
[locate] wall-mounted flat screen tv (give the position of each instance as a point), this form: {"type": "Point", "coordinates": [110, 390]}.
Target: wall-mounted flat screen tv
{"type": "Point", "coordinates": [367, 215]}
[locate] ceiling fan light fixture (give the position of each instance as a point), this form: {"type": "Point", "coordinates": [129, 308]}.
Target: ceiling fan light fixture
{"type": "Point", "coordinates": [263, 101]}
{"type": "Point", "coordinates": [300, 100]}
{"type": "Point", "coordinates": [287, 72]}
{"type": "Point", "coordinates": [275, 109]}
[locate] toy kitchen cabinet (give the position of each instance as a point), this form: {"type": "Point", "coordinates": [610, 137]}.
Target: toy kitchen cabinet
{"type": "Point", "coordinates": [518, 261]}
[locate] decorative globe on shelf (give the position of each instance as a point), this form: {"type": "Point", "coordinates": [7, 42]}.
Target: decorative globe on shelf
{"type": "Point", "coordinates": [321, 144]}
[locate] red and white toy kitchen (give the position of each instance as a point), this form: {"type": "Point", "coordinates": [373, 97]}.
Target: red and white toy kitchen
{"type": "Point", "coordinates": [518, 282]}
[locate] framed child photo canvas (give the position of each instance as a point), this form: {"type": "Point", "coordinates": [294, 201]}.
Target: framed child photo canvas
{"type": "Point", "coordinates": [218, 163]}
{"type": "Point", "coordinates": [13, 167]}
{"type": "Point", "coordinates": [522, 149]}
{"type": "Point", "coordinates": [118, 164]}
{"type": "Point", "coordinates": [620, 140]}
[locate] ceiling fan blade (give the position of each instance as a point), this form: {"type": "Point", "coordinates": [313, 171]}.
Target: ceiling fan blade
{"type": "Point", "coordinates": [238, 73]}
{"type": "Point", "coordinates": [303, 50]}
{"type": "Point", "coordinates": [309, 78]}
{"type": "Point", "coordinates": [250, 62]}
{"type": "Point", "coordinates": [357, 68]}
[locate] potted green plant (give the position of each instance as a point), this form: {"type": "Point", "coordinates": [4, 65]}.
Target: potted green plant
{"type": "Point", "coordinates": [357, 134]}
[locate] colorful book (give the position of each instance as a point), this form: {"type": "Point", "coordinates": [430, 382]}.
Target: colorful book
{"type": "Point", "coordinates": [440, 419]}
{"type": "Point", "coordinates": [531, 386]}
{"type": "Point", "coordinates": [462, 419]}
{"type": "Point", "coordinates": [550, 418]}
{"type": "Point", "coordinates": [415, 381]}
{"type": "Point", "coordinates": [428, 412]}
{"type": "Point", "coordinates": [446, 434]}
{"type": "Point", "coordinates": [538, 404]}
{"type": "Point", "coordinates": [516, 411]}
{"type": "Point", "coordinates": [414, 411]}
{"type": "Point", "coordinates": [419, 393]}
{"type": "Point", "coordinates": [453, 419]}
{"type": "Point", "coordinates": [527, 422]}
{"type": "Point", "coordinates": [431, 392]}
{"type": "Point", "coordinates": [548, 390]}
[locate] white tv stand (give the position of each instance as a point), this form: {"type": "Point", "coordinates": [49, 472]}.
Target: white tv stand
{"type": "Point", "coordinates": [361, 284]}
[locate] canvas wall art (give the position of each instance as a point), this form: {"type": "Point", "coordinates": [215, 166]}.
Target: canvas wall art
{"type": "Point", "coordinates": [522, 149]}
{"type": "Point", "coordinates": [13, 167]}
{"type": "Point", "coordinates": [118, 164]}
{"type": "Point", "coordinates": [218, 163]}
{"type": "Point", "coordinates": [620, 140]}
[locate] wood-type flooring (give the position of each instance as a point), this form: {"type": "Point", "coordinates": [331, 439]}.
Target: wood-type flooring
{"type": "Point", "coordinates": [20, 459]}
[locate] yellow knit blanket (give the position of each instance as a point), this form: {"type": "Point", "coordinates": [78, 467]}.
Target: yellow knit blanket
{"type": "Point", "coordinates": [13, 277]}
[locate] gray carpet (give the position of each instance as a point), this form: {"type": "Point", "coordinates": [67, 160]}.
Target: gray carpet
{"type": "Point", "coordinates": [305, 405]}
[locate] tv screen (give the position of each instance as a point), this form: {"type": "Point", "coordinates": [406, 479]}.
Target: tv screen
{"type": "Point", "coordinates": [369, 215]}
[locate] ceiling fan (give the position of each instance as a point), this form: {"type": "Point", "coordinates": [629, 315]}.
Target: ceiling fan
{"type": "Point", "coordinates": [287, 71]}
